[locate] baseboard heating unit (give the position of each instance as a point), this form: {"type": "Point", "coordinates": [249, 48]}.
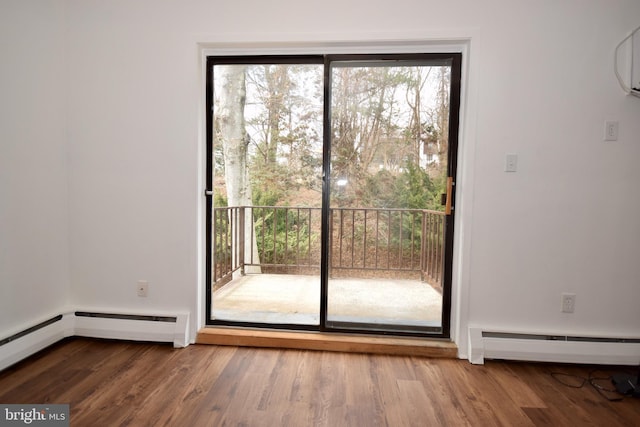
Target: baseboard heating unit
{"type": "Point", "coordinates": [490, 344]}
{"type": "Point", "coordinates": [172, 328]}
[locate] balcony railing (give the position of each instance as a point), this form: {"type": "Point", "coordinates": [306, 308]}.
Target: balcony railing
{"type": "Point", "coordinates": [363, 241]}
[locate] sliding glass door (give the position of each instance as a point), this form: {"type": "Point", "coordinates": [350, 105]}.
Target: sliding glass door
{"type": "Point", "coordinates": [389, 163]}
{"type": "Point", "coordinates": [330, 185]}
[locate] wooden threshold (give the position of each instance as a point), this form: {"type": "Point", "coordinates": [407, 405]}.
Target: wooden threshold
{"type": "Point", "coordinates": [374, 344]}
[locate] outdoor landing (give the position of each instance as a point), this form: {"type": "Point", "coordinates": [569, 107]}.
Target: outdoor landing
{"type": "Point", "coordinates": [295, 299]}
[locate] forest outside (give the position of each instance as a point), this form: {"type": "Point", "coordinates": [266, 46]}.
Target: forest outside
{"type": "Point", "coordinates": [388, 164]}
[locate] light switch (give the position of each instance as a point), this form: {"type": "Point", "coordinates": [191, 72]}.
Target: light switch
{"type": "Point", "coordinates": [511, 163]}
{"type": "Point", "coordinates": [610, 130]}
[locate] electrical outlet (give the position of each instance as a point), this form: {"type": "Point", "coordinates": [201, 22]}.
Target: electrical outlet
{"type": "Point", "coordinates": [143, 288]}
{"type": "Point", "coordinates": [568, 303]}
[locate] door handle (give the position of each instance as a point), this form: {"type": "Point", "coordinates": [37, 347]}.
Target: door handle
{"type": "Point", "coordinates": [447, 206]}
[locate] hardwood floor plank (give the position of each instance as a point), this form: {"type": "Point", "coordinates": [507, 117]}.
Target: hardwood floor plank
{"type": "Point", "coordinates": [330, 389]}
{"type": "Point", "coordinates": [119, 396]}
{"type": "Point", "coordinates": [496, 396]}
{"type": "Point", "coordinates": [521, 394]}
{"type": "Point", "coordinates": [206, 367]}
{"type": "Point", "coordinates": [482, 403]}
{"type": "Point", "coordinates": [566, 405]}
{"type": "Point", "coordinates": [142, 384]}
{"type": "Point", "coordinates": [167, 395]}
{"type": "Point", "coordinates": [44, 363]}
{"type": "Point", "coordinates": [301, 389]}
{"type": "Point", "coordinates": [540, 416]}
{"type": "Point", "coordinates": [443, 398]}
{"type": "Point", "coordinates": [419, 407]}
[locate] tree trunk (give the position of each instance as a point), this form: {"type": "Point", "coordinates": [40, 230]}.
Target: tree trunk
{"type": "Point", "coordinates": [234, 140]}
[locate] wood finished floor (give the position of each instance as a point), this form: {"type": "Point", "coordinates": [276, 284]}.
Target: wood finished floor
{"type": "Point", "coordinates": [111, 383]}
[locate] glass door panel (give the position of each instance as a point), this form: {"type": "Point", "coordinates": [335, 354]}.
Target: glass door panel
{"type": "Point", "coordinates": [267, 190]}
{"type": "Point", "coordinates": [389, 144]}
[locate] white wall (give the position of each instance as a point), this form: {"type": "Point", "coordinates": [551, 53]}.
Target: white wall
{"type": "Point", "coordinates": [569, 219]}
{"type": "Point", "coordinates": [540, 84]}
{"type": "Point", "coordinates": [34, 250]}
{"type": "Point", "coordinates": [133, 157]}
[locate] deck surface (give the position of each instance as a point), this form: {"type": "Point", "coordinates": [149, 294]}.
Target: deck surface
{"type": "Point", "coordinates": [295, 299]}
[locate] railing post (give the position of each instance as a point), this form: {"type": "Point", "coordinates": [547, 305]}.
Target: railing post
{"type": "Point", "coordinates": [423, 245]}
{"type": "Point", "coordinates": [241, 236]}
{"type": "Point", "coordinates": [227, 241]}
{"type": "Point", "coordinates": [215, 246]}
{"type": "Point", "coordinates": [331, 242]}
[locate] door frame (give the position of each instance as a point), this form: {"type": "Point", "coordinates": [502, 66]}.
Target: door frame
{"type": "Point", "coordinates": [454, 130]}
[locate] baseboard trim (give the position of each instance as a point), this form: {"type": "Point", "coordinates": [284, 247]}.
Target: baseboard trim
{"type": "Point", "coordinates": [373, 344]}
{"type": "Point", "coordinates": [31, 340]}
{"type": "Point", "coordinates": [173, 328]}
{"type": "Point", "coordinates": [136, 327]}
{"type": "Point", "coordinates": [561, 348]}
{"type": "Point", "coordinates": [30, 330]}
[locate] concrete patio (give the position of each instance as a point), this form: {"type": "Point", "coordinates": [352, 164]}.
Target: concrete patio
{"type": "Point", "coordinates": [295, 299]}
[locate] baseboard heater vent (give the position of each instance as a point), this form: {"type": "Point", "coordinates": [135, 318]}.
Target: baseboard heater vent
{"type": "Point", "coordinates": [34, 338]}
{"type": "Point", "coordinates": [170, 319]}
{"type": "Point", "coordinates": [541, 347]}
{"type": "Point", "coordinates": [558, 338]}
{"type": "Point", "coordinates": [137, 327]}
{"type": "Point", "coordinates": [30, 330]}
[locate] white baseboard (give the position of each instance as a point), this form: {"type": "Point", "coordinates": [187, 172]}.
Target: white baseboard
{"type": "Point", "coordinates": [172, 328]}
{"type": "Point", "coordinates": [536, 347]}
{"type": "Point", "coordinates": [22, 346]}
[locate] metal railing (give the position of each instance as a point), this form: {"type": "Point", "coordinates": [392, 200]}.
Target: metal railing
{"type": "Point", "coordinates": [280, 239]}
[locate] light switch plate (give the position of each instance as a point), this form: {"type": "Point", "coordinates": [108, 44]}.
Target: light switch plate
{"type": "Point", "coordinates": [611, 130]}
{"type": "Point", "coordinates": [511, 163]}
